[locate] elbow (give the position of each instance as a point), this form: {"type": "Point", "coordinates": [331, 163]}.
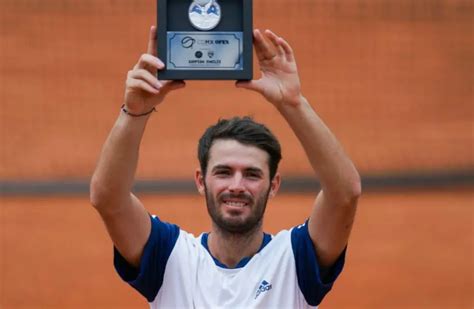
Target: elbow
{"type": "Point", "coordinates": [348, 194]}
{"type": "Point", "coordinates": [106, 199]}
{"type": "Point", "coordinates": [356, 187]}
{"type": "Point", "coordinates": [98, 194]}
{"type": "Point", "coordinates": [354, 190]}
{"type": "Point", "coordinates": [94, 192]}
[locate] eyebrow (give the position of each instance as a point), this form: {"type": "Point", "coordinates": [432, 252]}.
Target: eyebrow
{"type": "Point", "coordinates": [254, 170]}
{"type": "Point", "coordinates": [226, 167]}
{"type": "Point", "coordinates": [220, 166]}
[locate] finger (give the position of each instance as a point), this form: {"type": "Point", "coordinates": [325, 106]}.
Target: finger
{"type": "Point", "coordinates": [290, 55]}
{"type": "Point", "coordinates": [138, 84]}
{"type": "Point", "coordinates": [152, 41]}
{"type": "Point", "coordinates": [275, 41]}
{"type": "Point", "coordinates": [149, 62]}
{"type": "Point", "coordinates": [145, 76]}
{"type": "Point", "coordinates": [263, 49]}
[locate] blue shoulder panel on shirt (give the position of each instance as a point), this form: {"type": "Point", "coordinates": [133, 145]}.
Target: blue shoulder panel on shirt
{"type": "Point", "coordinates": [148, 278]}
{"type": "Point", "coordinates": [308, 271]}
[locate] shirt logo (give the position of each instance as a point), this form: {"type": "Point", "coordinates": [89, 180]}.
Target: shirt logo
{"type": "Point", "coordinates": [264, 287]}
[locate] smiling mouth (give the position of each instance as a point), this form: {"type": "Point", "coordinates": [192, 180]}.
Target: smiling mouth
{"type": "Point", "coordinates": [237, 204]}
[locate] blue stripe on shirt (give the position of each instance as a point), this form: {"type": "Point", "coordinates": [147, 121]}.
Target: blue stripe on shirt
{"type": "Point", "coordinates": [148, 277]}
{"type": "Point", "coordinates": [312, 283]}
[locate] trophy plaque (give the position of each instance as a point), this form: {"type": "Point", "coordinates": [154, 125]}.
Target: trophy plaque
{"type": "Point", "coordinates": [205, 39]}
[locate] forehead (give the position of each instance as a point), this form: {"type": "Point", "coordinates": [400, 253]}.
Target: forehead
{"type": "Point", "coordinates": [237, 155]}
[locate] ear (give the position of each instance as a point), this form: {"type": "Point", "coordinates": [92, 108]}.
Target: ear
{"type": "Point", "coordinates": [199, 180]}
{"type": "Point", "coordinates": [275, 185]}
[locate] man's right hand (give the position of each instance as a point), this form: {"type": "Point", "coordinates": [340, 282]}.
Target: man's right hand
{"type": "Point", "coordinates": [143, 90]}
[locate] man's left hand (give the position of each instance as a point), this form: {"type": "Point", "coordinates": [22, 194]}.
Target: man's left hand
{"type": "Point", "coordinates": [279, 83]}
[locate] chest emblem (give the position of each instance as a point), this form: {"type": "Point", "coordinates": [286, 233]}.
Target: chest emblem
{"type": "Point", "coordinates": [264, 287]}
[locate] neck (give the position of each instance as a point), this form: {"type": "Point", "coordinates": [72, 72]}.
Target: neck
{"type": "Point", "coordinates": [231, 248]}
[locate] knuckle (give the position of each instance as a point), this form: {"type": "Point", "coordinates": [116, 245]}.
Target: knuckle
{"type": "Point", "coordinates": [144, 57]}
{"type": "Point", "coordinates": [142, 84]}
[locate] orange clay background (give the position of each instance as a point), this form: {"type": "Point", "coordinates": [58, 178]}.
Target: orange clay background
{"type": "Point", "coordinates": [407, 250]}
{"type": "Point", "coordinates": [393, 80]}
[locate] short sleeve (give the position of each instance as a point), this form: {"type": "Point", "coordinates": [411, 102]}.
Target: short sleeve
{"type": "Point", "coordinates": [148, 277]}
{"type": "Point", "coordinates": [310, 280]}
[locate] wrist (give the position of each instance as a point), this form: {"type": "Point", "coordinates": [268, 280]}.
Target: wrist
{"type": "Point", "coordinates": [291, 103]}
{"type": "Point", "coordinates": [137, 124]}
{"type": "Point", "coordinates": [125, 110]}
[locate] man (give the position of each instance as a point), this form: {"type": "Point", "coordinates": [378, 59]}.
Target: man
{"type": "Point", "coordinates": [236, 265]}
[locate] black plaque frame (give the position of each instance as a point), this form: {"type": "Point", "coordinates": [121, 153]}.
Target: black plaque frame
{"type": "Point", "coordinates": [172, 15]}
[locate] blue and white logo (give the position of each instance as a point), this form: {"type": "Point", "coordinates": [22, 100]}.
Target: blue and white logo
{"type": "Point", "coordinates": [204, 14]}
{"type": "Point", "coordinates": [264, 287]}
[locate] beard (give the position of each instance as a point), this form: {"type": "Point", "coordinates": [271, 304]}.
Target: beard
{"type": "Point", "coordinates": [237, 225]}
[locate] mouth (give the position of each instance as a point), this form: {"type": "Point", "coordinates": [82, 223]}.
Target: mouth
{"type": "Point", "coordinates": [235, 204]}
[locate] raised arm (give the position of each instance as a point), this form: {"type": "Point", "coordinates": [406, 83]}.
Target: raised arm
{"type": "Point", "coordinates": [332, 215]}
{"type": "Point", "coordinates": [126, 219]}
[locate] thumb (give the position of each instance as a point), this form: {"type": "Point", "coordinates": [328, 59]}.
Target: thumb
{"type": "Point", "coordinates": [177, 84]}
{"type": "Point", "coordinates": [170, 85]}
{"type": "Point", "coordinates": [254, 85]}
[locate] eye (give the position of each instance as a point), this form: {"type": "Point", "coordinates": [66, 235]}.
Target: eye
{"type": "Point", "coordinates": [253, 175]}
{"type": "Point", "coordinates": [222, 172]}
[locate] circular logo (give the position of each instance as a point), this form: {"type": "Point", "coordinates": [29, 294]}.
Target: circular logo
{"type": "Point", "coordinates": [198, 54]}
{"type": "Point", "coordinates": [204, 14]}
{"type": "Point", "coordinates": [187, 42]}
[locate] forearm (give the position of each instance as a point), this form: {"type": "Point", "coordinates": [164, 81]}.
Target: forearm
{"type": "Point", "coordinates": [115, 172]}
{"type": "Point", "coordinates": [338, 177]}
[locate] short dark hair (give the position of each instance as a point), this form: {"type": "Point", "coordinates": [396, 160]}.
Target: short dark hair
{"type": "Point", "coordinates": [244, 130]}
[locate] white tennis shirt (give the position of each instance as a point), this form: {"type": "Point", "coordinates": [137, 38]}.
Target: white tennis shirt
{"type": "Point", "coordinates": [178, 271]}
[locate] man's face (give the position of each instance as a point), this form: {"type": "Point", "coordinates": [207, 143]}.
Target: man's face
{"type": "Point", "coordinates": [237, 186]}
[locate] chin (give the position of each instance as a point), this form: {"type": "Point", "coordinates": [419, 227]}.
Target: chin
{"type": "Point", "coordinates": [238, 225]}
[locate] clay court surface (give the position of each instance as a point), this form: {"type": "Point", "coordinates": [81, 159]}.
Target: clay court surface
{"type": "Point", "coordinates": [408, 250]}
{"type": "Point", "coordinates": [393, 80]}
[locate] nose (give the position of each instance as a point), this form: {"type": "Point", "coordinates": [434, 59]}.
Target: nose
{"type": "Point", "coordinates": [237, 184]}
